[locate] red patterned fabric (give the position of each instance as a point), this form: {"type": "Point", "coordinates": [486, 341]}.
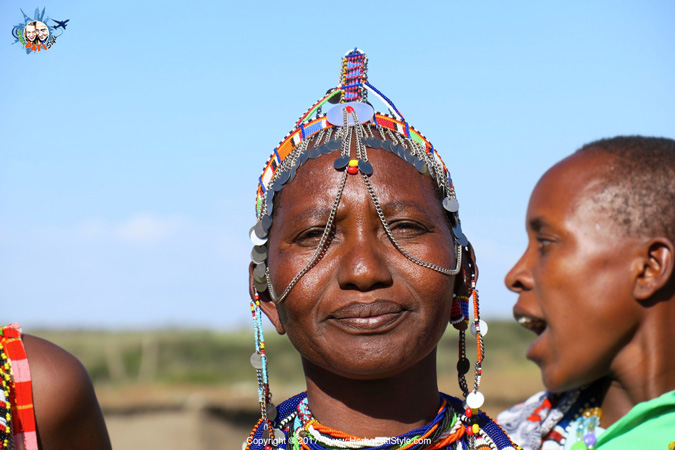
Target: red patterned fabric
{"type": "Point", "coordinates": [21, 389]}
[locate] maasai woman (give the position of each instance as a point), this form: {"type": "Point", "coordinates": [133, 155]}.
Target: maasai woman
{"type": "Point", "coordinates": [596, 283]}
{"type": "Point", "coordinates": [360, 257]}
{"type": "Point", "coordinates": [47, 401]}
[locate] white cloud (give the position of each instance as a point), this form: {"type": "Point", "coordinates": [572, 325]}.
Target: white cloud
{"type": "Point", "coordinates": [140, 229]}
{"type": "Point", "coordinates": [148, 229]}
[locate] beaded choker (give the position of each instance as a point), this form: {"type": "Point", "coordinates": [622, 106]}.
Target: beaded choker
{"type": "Point", "coordinates": [441, 432]}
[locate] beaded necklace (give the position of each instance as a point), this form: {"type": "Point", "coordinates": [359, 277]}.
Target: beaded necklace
{"type": "Point", "coordinates": [584, 429]}
{"type": "Point", "coordinates": [295, 428]}
{"type": "Point", "coordinates": [568, 421]}
{"type": "Point", "coordinates": [307, 432]}
{"type": "Point", "coordinates": [5, 409]}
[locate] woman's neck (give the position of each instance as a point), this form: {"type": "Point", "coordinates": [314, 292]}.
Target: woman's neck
{"type": "Point", "coordinates": [645, 369]}
{"type": "Point", "coordinates": [373, 408]}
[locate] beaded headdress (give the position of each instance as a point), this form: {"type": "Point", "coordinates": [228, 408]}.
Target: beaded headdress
{"type": "Point", "coordinates": [352, 122]}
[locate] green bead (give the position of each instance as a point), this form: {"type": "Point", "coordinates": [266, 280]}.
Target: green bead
{"type": "Point", "coordinates": [579, 445]}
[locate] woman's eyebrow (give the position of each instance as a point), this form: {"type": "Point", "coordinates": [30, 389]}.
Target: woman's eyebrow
{"type": "Point", "coordinates": [319, 214]}
{"type": "Point", "coordinates": [396, 206]}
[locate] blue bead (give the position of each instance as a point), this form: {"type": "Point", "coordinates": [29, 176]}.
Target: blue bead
{"type": "Point", "coordinates": [590, 439]}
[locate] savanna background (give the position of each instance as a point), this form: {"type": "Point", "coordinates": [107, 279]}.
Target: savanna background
{"type": "Point", "coordinates": [130, 151]}
{"type": "Point", "coordinates": [172, 389]}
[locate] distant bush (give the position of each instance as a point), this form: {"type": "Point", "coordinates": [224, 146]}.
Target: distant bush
{"type": "Point", "coordinates": [208, 357]}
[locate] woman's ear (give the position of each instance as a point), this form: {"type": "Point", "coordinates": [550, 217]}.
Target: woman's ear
{"type": "Point", "coordinates": [266, 303]}
{"type": "Point", "coordinates": [468, 271]}
{"type": "Point", "coordinates": [656, 268]}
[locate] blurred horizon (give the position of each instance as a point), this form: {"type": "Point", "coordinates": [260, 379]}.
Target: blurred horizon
{"type": "Point", "coordinates": [130, 150]}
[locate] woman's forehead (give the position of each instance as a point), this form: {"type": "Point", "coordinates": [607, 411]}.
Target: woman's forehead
{"type": "Point", "coordinates": [396, 182]}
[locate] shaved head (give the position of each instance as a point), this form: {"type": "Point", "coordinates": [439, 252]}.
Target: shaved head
{"type": "Point", "coordinates": [639, 188]}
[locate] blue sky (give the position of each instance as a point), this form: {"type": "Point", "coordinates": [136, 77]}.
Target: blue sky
{"type": "Point", "coordinates": [129, 151]}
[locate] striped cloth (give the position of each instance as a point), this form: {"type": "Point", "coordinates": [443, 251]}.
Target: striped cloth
{"type": "Point", "coordinates": [21, 389]}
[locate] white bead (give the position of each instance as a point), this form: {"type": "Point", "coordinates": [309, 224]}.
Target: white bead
{"type": "Point", "coordinates": [483, 327]}
{"type": "Point", "coordinates": [475, 400]}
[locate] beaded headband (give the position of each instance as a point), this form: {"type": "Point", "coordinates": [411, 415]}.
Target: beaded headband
{"type": "Point", "coordinates": [353, 122]}
{"type": "Point", "coordinates": [353, 119]}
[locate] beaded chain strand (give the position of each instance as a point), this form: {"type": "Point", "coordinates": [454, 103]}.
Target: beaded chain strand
{"type": "Point", "coordinates": [259, 362]}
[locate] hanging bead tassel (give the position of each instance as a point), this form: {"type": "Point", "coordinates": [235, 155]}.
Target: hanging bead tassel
{"type": "Point", "coordinates": [259, 363]}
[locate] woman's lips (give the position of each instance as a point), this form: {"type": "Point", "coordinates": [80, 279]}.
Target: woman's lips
{"type": "Point", "coordinates": [375, 316]}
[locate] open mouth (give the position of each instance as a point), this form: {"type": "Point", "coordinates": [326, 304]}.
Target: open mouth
{"type": "Point", "coordinates": [532, 323]}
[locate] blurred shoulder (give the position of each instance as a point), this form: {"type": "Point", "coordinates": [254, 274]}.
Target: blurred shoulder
{"type": "Point", "coordinates": [64, 399]}
{"type": "Point", "coordinates": [53, 369]}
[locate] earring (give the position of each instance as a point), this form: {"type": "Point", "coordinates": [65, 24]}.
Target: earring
{"type": "Point", "coordinates": [473, 399]}
{"type": "Point", "coordinates": [259, 363]}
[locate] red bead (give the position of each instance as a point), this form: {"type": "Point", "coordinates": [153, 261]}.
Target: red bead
{"type": "Point", "coordinates": [352, 170]}
{"type": "Point", "coordinates": [469, 430]}
{"type": "Point", "coordinates": [468, 412]}
{"type": "Point", "coordinates": [349, 109]}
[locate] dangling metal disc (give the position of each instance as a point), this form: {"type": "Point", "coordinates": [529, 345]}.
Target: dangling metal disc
{"type": "Point", "coordinates": [252, 233]}
{"type": "Point", "coordinates": [341, 162]}
{"type": "Point", "coordinates": [422, 167]}
{"type": "Point", "coordinates": [364, 113]}
{"type": "Point", "coordinates": [365, 167]}
{"type": "Point", "coordinates": [475, 400]}
{"type": "Point", "coordinates": [279, 436]}
{"type": "Point", "coordinates": [271, 412]}
{"type": "Point", "coordinates": [266, 222]}
{"type": "Point", "coordinates": [314, 153]}
{"type": "Point", "coordinates": [483, 327]}
{"type": "Point", "coordinates": [283, 178]}
{"type": "Point", "coordinates": [256, 360]}
{"type": "Point", "coordinates": [260, 230]}
{"type": "Point", "coordinates": [334, 144]}
{"type": "Point", "coordinates": [375, 143]}
{"type": "Point", "coordinates": [259, 273]}
{"type": "Point", "coordinates": [461, 239]}
{"type": "Point", "coordinates": [259, 279]}
{"type": "Point", "coordinates": [260, 286]}
{"type": "Point", "coordinates": [259, 254]}
{"type": "Point", "coordinates": [451, 204]}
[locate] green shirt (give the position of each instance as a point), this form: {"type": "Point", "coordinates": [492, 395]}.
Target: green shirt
{"type": "Point", "coordinates": [648, 426]}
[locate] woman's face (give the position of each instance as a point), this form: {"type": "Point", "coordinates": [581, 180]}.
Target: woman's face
{"type": "Point", "coordinates": [364, 311]}
{"type": "Point", "coordinates": [30, 33]}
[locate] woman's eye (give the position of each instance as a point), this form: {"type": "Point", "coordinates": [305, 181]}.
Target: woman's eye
{"type": "Point", "coordinates": [310, 237]}
{"type": "Point", "coordinates": [408, 228]}
{"type": "Point", "coordinates": [543, 243]}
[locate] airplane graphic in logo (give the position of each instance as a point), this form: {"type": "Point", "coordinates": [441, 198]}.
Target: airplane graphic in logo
{"type": "Point", "coordinates": [62, 24]}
